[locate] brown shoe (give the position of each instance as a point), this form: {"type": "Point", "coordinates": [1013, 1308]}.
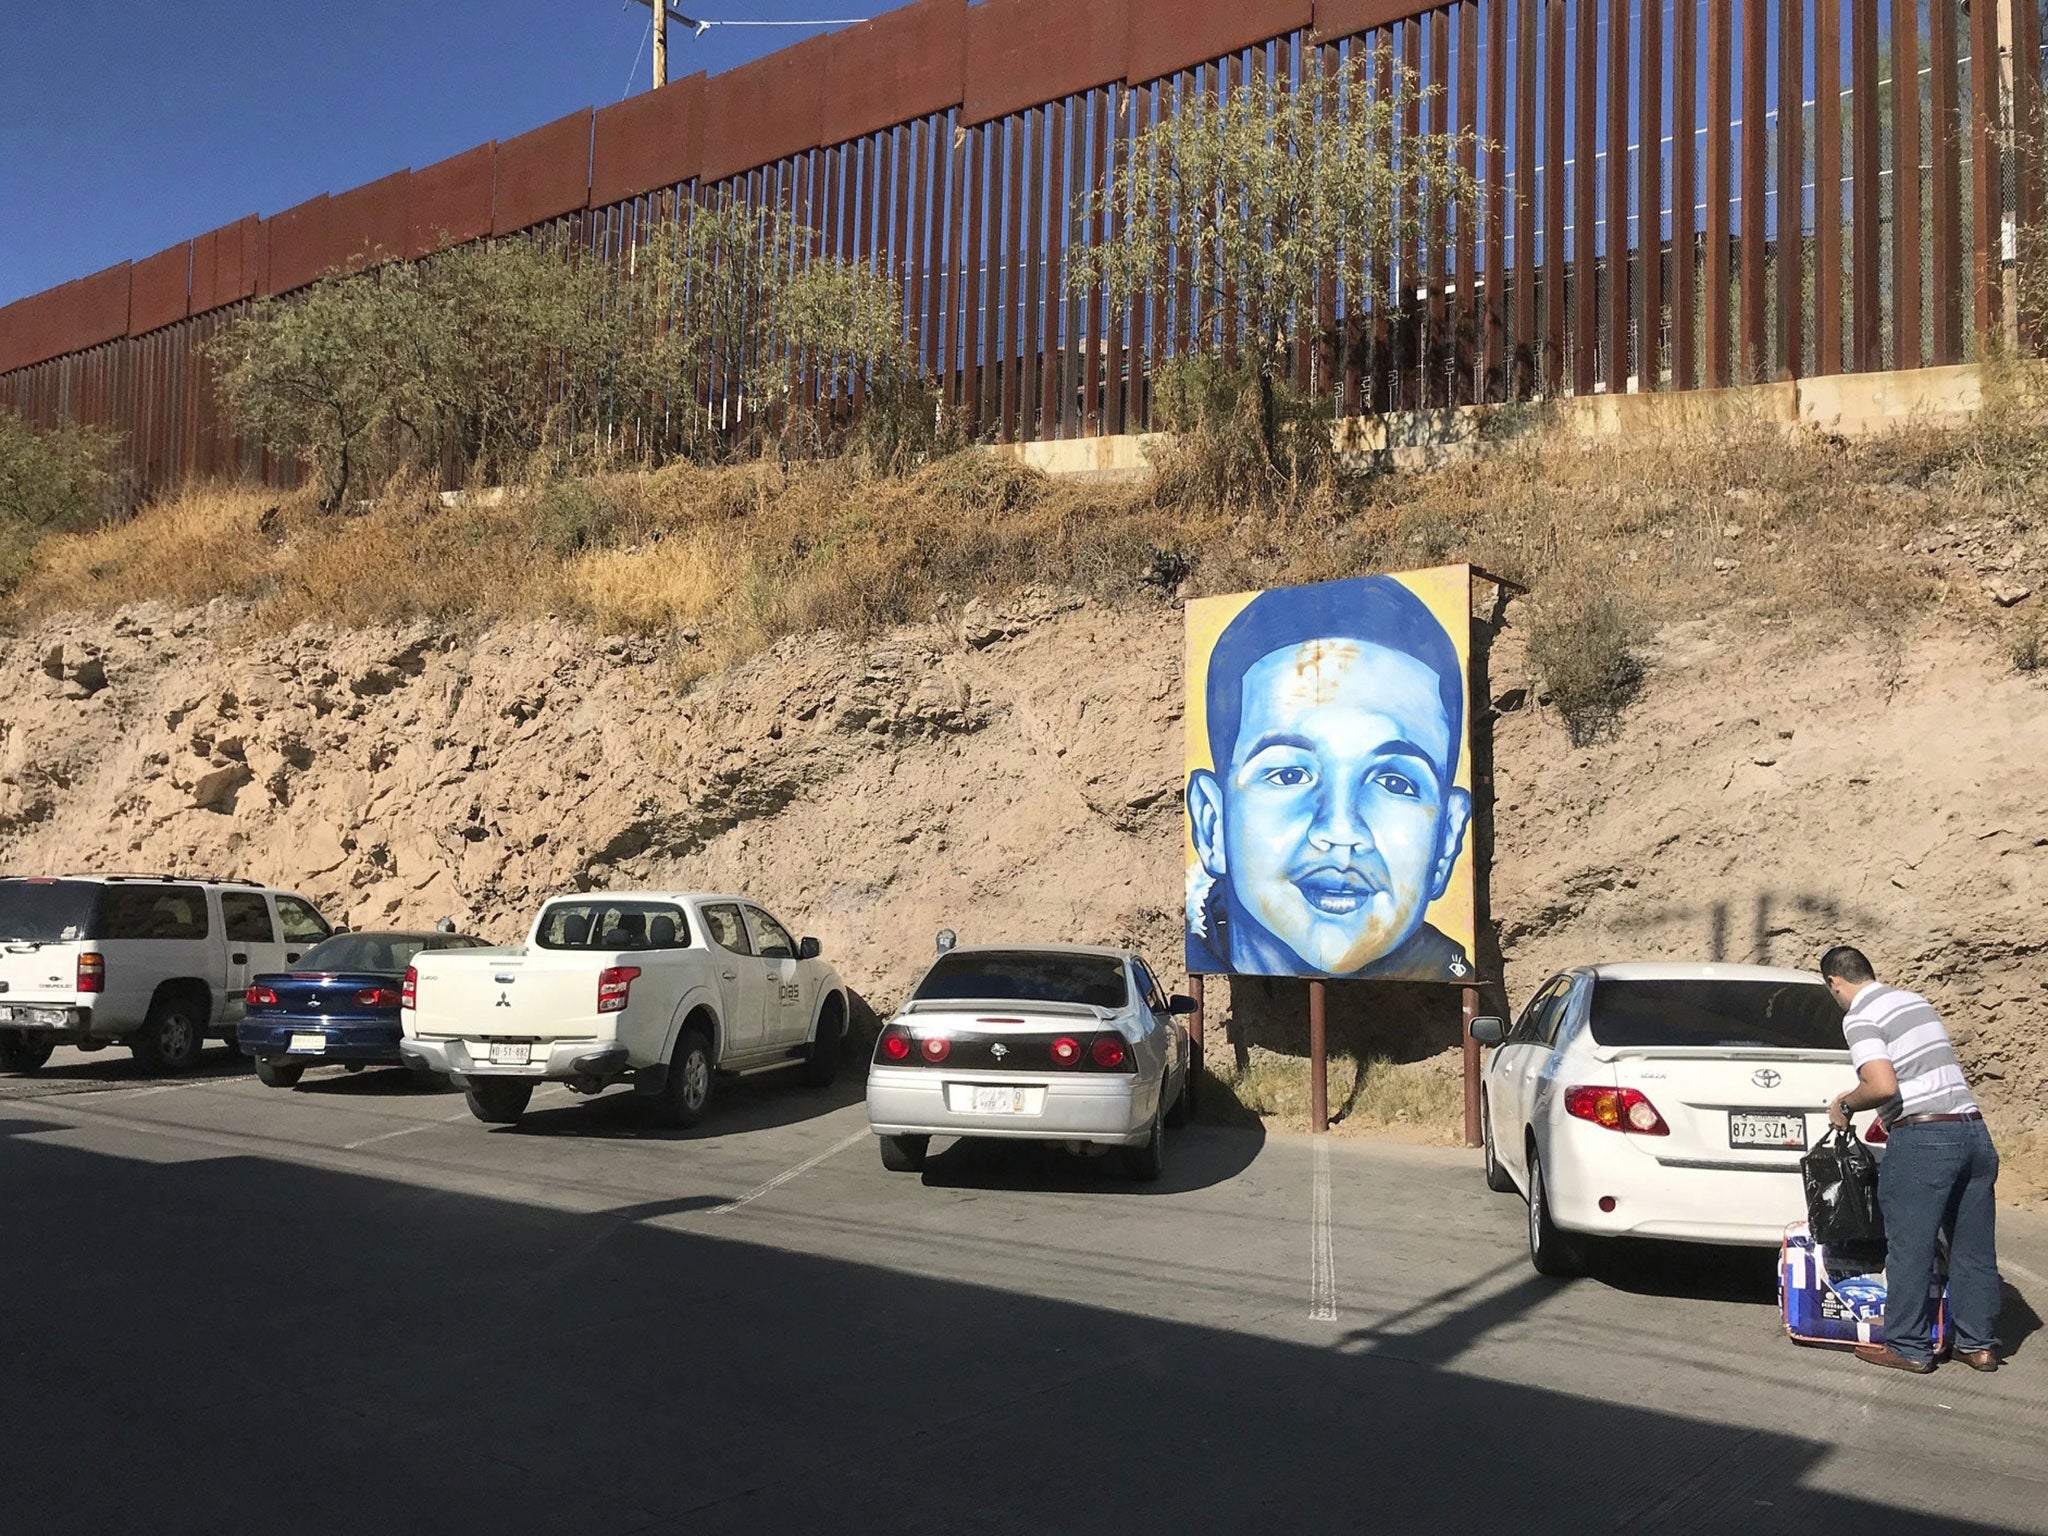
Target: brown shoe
{"type": "Point", "coordinates": [1978, 1359]}
{"type": "Point", "coordinates": [1882, 1354]}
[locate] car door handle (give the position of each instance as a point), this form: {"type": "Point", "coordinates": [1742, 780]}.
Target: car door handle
{"type": "Point", "coordinates": [730, 975]}
{"type": "Point", "coordinates": [238, 959]}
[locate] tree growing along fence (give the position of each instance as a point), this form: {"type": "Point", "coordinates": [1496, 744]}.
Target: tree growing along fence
{"type": "Point", "coordinates": [1673, 194]}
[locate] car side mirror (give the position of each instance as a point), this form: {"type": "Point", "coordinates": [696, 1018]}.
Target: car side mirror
{"type": "Point", "coordinates": [335, 932]}
{"type": "Point", "coordinates": [808, 949]}
{"type": "Point", "coordinates": [1489, 1031]}
{"type": "Point", "coordinates": [1179, 1004]}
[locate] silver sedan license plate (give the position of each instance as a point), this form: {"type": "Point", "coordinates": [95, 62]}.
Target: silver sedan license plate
{"type": "Point", "coordinates": [999, 1101]}
{"type": "Point", "coordinates": [1776, 1132]}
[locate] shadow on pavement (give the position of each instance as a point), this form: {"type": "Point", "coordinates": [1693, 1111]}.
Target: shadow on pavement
{"type": "Point", "coordinates": [413, 1359]}
{"type": "Point", "coordinates": [1196, 1157]}
{"type": "Point", "coordinates": [737, 1105]}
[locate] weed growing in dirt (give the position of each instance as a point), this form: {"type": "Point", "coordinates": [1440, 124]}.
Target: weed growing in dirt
{"type": "Point", "coordinates": [1583, 645]}
{"type": "Point", "coordinates": [51, 482]}
{"type": "Point", "coordinates": [1423, 1098]}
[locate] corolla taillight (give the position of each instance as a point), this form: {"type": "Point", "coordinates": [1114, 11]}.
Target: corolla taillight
{"type": "Point", "coordinates": [1875, 1133]}
{"type": "Point", "coordinates": [1616, 1109]}
{"type": "Point", "coordinates": [615, 987]}
{"type": "Point", "coordinates": [259, 997]}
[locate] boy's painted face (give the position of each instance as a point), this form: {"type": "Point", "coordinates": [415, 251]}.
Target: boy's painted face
{"type": "Point", "coordinates": [1339, 824]}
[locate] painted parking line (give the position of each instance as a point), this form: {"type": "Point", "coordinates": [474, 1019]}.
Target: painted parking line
{"type": "Point", "coordinates": [790, 1173]}
{"type": "Point", "coordinates": [1322, 1269]}
{"type": "Point", "coordinates": [2022, 1271]}
{"type": "Point", "coordinates": [407, 1130]}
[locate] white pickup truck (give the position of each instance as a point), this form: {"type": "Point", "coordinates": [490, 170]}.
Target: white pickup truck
{"type": "Point", "coordinates": [660, 989]}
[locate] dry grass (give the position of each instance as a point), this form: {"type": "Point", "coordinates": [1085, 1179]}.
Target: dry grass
{"type": "Point", "coordinates": [1413, 1100]}
{"type": "Point", "coordinates": [1740, 516]}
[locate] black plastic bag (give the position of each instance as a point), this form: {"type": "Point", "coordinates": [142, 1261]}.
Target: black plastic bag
{"type": "Point", "coordinates": [1841, 1192]}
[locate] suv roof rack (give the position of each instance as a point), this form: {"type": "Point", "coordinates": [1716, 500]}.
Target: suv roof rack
{"type": "Point", "coordinates": [135, 874]}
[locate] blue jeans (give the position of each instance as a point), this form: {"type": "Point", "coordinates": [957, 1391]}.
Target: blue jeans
{"type": "Point", "coordinates": [1937, 1181]}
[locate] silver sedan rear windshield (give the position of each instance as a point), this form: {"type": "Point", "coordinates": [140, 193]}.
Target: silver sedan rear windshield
{"type": "Point", "coordinates": [47, 911]}
{"type": "Point", "coordinates": [1789, 1015]}
{"type": "Point", "coordinates": [1025, 976]}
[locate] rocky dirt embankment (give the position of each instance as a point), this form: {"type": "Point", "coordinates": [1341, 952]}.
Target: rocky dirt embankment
{"type": "Point", "coordinates": [1016, 773]}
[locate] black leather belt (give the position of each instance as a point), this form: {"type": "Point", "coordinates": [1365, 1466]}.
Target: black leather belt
{"type": "Point", "coordinates": [1968, 1114]}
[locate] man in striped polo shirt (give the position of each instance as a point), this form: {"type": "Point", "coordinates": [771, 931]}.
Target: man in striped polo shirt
{"type": "Point", "coordinates": [1939, 1173]}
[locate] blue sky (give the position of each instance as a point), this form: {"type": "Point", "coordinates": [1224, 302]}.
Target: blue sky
{"type": "Point", "coordinates": [123, 131]}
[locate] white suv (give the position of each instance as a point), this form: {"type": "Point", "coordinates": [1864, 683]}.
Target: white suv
{"type": "Point", "coordinates": [153, 962]}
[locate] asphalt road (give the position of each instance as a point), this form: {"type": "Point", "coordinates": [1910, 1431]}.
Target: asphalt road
{"type": "Point", "coordinates": [351, 1309]}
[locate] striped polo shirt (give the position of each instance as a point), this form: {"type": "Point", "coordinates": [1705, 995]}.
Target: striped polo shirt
{"type": "Point", "coordinates": [1903, 1028]}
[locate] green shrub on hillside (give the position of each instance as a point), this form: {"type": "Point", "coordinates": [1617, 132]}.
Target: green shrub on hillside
{"type": "Point", "coordinates": [58, 481]}
{"type": "Point", "coordinates": [1583, 646]}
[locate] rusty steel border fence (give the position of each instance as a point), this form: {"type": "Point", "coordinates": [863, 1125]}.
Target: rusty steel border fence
{"type": "Point", "coordinates": [1673, 195]}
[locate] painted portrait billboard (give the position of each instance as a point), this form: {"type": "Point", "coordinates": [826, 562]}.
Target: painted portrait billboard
{"type": "Point", "coordinates": [1329, 790]}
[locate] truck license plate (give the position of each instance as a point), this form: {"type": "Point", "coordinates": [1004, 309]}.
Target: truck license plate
{"type": "Point", "coordinates": [308, 1045]}
{"type": "Point", "coordinates": [512, 1054]}
{"type": "Point", "coordinates": [49, 1016]}
{"type": "Point", "coordinates": [1779, 1133]}
{"type": "Point", "coordinates": [999, 1101]}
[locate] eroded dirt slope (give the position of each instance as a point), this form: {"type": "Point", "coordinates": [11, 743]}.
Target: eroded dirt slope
{"type": "Point", "coordinates": [1015, 773]}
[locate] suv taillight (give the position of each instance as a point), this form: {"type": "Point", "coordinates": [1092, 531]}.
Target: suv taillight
{"type": "Point", "coordinates": [614, 985]}
{"type": "Point", "coordinates": [409, 996]}
{"type": "Point", "coordinates": [259, 997]}
{"type": "Point", "coordinates": [1616, 1109]}
{"type": "Point", "coordinates": [92, 973]}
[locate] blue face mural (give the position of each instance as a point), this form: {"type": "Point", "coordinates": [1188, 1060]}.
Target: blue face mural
{"type": "Point", "coordinates": [1329, 817]}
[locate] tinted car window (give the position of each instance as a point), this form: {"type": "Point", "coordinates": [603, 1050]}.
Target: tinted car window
{"type": "Point", "coordinates": [46, 911]}
{"type": "Point", "coordinates": [1026, 976]}
{"type": "Point", "coordinates": [1534, 1024]}
{"type": "Point", "coordinates": [1154, 998]}
{"type": "Point", "coordinates": [375, 952]}
{"type": "Point", "coordinates": [614, 925]}
{"type": "Point", "coordinates": [775, 942]}
{"type": "Point", "coordinates": [1787, 1014]}
{"type": "Point", "coordinates": [726, 930]}
{"type": "Point", "coordinates": [302, 925]}
{"type": "Point", "coordinates": [245, 918]}
{"type": "Point", "coordinates": [152, 912]}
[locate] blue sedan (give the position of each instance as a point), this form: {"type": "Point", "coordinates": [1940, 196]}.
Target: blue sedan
{"type": "Point", "coordinates": [340, 1006]}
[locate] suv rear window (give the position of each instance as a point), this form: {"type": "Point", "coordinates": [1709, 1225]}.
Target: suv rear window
{"type": "Point", "coordinates": [614, 925]}
{"type": "Point", "coordinates": [46, 911]}
{"type": "Point", "coordinates": [151, 912]}
{"type": "Point", "coordinates": [1026, 976]}
{"type": "Point", "coordinates": [1791, 1015]}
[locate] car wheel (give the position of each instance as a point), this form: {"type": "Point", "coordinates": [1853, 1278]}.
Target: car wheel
{"type": "Point", "coordinates": [22, 1052]}
{"type": "Point", "coordinates": [170, 1039]}
{"type": "Point", "coordinates": [821, 1060]}
{"type": "Point", "coordinates": [904, 1154]}
{"type": "Point", "coordinates": [1183, 1102]}
{"type": "Point", "coordinates": [686, 1091]}
{"type": "Point", "coordinates": [1551, 1251]}
{"type": "Point", "coordinates": [279, 1074]}
{"type": "Point", "coordinates": [498, 1101]}
{"type": "Point", "coordinates": [1498, 1179]}
{"type": "Point", "coordinates": [1146, 1163]}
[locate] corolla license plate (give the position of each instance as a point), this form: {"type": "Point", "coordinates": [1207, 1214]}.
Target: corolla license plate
{"type": "Point", "coordinates": [999, 1101]}
{"type": "Point", "coordinates": [312, 1045]}
{"type": "Point", "coordinates": [512, 1054]}
{"type": "Point", "coordinates": [1780, 1133]}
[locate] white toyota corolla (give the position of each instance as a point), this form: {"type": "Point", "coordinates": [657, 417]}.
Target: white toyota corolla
{"type": "Point", "coordinates": [1661, 1100]}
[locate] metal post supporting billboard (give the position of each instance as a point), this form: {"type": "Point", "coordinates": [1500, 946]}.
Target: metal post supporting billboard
{"type": "Point", "coordinates": [1471, 1046]}
{"type": "Point", "coordinates": [1318, 1062]}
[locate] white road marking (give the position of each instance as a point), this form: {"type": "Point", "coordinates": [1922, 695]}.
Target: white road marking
{"type": "Point", "coordinates": [784, 1177]}
{"type": "Point", "coordinates": [370, 1141]}
{"type": "Point", "coordinates": [144, 1093]}
{"type": "Point", "coordinates": [2022, 1271]}
{"type": "Point", "coordinates": [1322, 1284]}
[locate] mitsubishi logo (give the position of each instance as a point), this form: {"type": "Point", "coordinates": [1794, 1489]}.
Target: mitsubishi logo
{"type": "Point", "coordinates": [502, 1002]}
{"type": "Point", "coordinates": [1765, 1078]}
{"type": "Point", "coordinates": [999, 1050]}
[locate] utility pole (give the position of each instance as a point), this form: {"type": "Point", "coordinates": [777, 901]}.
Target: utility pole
{"type": "Point", "coordinates": [660, 46]}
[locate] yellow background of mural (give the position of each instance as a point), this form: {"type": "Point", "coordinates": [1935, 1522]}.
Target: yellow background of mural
{"type": "Point", "coordinates": [1446, 590]}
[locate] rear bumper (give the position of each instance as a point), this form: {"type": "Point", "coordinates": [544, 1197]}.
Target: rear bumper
{"type": "Point", "coordinates": [1111, 1111]}
{"type": "Point", "coordinates": [554, 1060]}
{"type": "Point", "coordinates": [48, 1021]}
{"type": "Point", "coordinates": [369, 1040]}
{"type": "Point", "coordinates": [1695, 1202]}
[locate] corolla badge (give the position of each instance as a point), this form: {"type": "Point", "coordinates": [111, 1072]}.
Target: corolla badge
{"type": "Point", "coordinates": [1765, 1078]}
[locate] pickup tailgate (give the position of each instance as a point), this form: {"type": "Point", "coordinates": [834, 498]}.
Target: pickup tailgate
{"type": "Point", "coordinates": [32, 974]}
{"type": "Point", "coordinates": [508, 995]}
